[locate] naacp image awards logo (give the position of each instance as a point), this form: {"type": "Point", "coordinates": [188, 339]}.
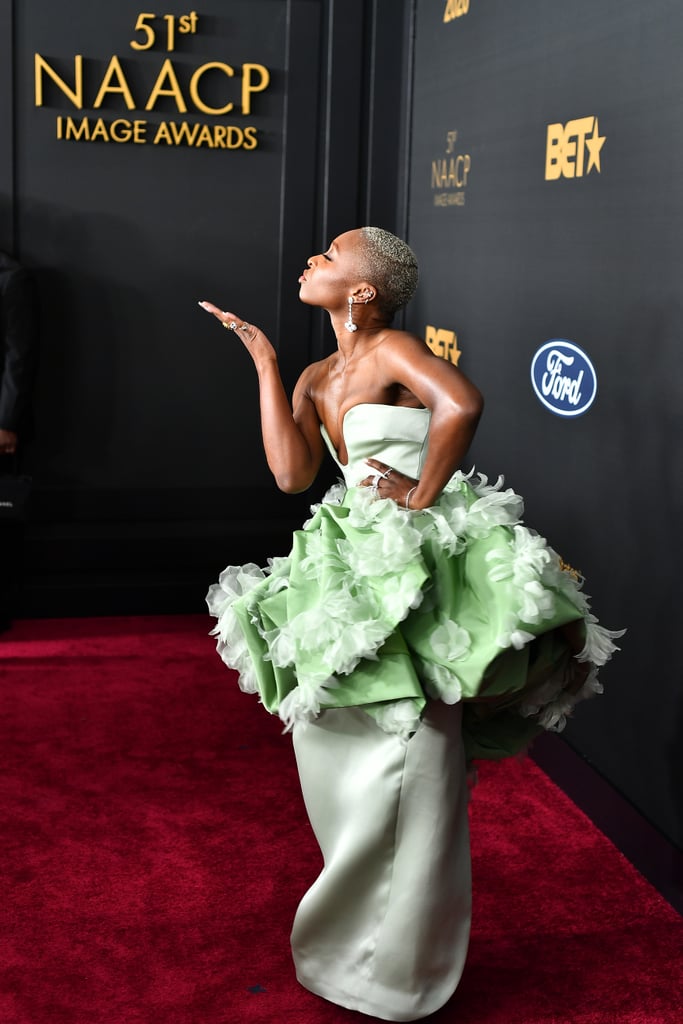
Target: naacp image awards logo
{"type": "Point", "coordinates": [563, 378]}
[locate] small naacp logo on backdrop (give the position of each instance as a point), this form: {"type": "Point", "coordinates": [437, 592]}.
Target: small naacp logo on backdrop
{"type": "Point", "coordinates": [563, 378]}
{"type": "Point", "coordinates": [450, 173]}
{"type": "Point", "coordinates": [443, 343]}
{"type": "Point", "coordinates": [573, 149]}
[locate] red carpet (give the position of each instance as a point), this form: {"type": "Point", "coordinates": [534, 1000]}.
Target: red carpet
{"type": "Point", "coordinates": [154, 847]}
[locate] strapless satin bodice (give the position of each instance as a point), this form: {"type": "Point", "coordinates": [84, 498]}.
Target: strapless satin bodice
{"type": "Point", "coordinates": [393, 434]}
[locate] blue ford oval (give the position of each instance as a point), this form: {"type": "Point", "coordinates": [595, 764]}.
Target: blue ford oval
{"type": "Point", "coordinates": [563, 378]}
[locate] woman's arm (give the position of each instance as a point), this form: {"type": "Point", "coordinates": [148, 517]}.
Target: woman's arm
{"type": "Point", "coordinates": [291, 434]}
{"type": "Point", "coordinates": [455, 404]}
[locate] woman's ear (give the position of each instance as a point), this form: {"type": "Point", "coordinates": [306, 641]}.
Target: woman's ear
{"type": "Point", "coordinates": [364, 293]}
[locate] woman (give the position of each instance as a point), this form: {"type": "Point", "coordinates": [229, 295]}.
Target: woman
{"type": "Point", "coordinates": [415, 624]}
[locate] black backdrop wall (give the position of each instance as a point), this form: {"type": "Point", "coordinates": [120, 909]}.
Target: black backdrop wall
{"type": "Point", "coordinates": [147, 460]}
{"type": "Point", "coordinates": [539, 191]}
{"type": "Point", "coordinates": [545, 204]}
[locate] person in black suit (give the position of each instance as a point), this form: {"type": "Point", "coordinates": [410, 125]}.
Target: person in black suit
{"type": "Point", "coordinates": [18, 360]}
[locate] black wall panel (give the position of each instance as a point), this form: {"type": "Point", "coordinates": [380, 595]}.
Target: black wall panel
{"type": "Point", "coordinates": [148, 467]}
{"type": "Point", "coordinates": [512, 259]}
{"type": "Point", "coordinates": [6, 125]}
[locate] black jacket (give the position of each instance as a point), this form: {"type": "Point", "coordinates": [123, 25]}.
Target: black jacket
{"type": "Point", "coordinates": [18, 344]}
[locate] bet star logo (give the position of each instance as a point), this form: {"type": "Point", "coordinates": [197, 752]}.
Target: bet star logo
{"type": "Point", "coordinates": [565, 154]}
{"type": "Point", "coordinates": [443, 343]}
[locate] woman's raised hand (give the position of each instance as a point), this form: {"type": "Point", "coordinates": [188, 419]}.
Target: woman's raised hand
{"type": "Point", "coordinates": [253, 337]}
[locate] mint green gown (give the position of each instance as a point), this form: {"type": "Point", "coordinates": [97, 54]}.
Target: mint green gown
{"type": "Point", "coordinates": [397, 645]}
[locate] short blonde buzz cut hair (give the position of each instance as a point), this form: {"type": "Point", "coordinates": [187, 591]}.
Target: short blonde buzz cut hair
{"type": "Point", "coordinates": [390, 265]}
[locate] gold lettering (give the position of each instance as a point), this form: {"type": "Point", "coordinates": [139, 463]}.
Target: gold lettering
{"type": "Point", "coordinates": [438, 173]}
{"type": "Point", "coordinates": [455, 9]}
{"type": "Point", "coordinates": [184, 132]}
{"type": "Point", "coordinates": [76, 131]}
{"type": "Point", "coordinates": [173, 88]}
{"type": "Point", "coordinates": [205, 136]}
{"type": "Point", "coordinates": [235, 137]}
{"type": "Point", "coordinates": [553, 152]}
{"type": "Point", "coordinates": [99, 131]}
{"type": "Point", "coordinates": [194, 88]}
{"type": "Point", "coordinates": [122, 130]}
{"type": "Point", "coordinates": [451, 173]}
{"type": "Point", "coordinates": [462, 169]}
{"type": "Point", "coordinates": [140, 132]}
{"type": "Point", "coordinates": [188, 23]}
{"type": "Point", "coordinates": [150, 35]}
{"type": "Point", "coordinates": [565, 148]}
{"type": "Point", "coordinates": [248, 88]}
{"type": "Point", "coordinates": [250, 139]}
{"type": "Point", "coordinates": [114, 70]}
{"type": "Point", "coordinates": [443, 343]}
{"type": "Point", "coordinates": [163, 135]}
{"type": "Point", "coordinates": [75, 94]}
{"type": "Point", "coordinates": [577, 129]}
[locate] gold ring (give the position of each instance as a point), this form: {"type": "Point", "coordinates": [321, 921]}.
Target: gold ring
{"type": "Point", "coordinates": [226, 325]}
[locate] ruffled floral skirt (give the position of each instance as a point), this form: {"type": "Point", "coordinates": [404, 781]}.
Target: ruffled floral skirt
{"type": "Point", "coordinates": [380, 608]}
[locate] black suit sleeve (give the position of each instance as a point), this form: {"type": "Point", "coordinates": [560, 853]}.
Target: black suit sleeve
{"type": "Point", "coordinates": [18, 348]}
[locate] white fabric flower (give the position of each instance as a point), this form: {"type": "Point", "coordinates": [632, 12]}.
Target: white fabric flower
{"type": "Point", "coordinates": [512, 636]}
{"type": "Point", "coordinates": [535, 603]}
{"type": "Point", "coordinates": [399, 597]}
{"type": "Point", "coordinates": [280, 565]}
{"type": "Point", "coordinates": [599, 647]}
{"type": "Point", "coordinates": [441, 683]}
{"type": "Point", "coordinates": [449, 641]}
{"type": "Point", "coordinates": [334, 495]}
{"type": "Point", "coordinates": [362, 507]}
{"type": "Point", "coordinates": [449, 527]}
{"type": "Point", "coordinates": [495, 508]}
{"type": "Point", "coordinates": [520, 561]}
{"type": "Point", "coordinates": [382, 553]}
{"type": "Point", "coordinates": [309, 567]}
{"type": "Point", "coordinates": [399, 717]}
{"type": "Point", "coordinates": [551, 704]}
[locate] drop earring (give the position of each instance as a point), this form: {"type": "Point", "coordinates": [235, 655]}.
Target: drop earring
{"type": "Point", "coordinates": [349, 325]}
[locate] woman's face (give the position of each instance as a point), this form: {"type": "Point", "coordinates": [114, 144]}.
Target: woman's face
{"type": "Point", "coordinates": [330, 277]}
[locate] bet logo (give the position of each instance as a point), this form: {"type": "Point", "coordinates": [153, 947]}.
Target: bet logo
{"type": "Point", "coordinates": [443, 343]}
{"type": "Point", "coordinates": [565, 154]}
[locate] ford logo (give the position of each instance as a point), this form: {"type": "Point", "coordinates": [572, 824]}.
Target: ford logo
{"type": "Point", "coordinates": [563, 378]}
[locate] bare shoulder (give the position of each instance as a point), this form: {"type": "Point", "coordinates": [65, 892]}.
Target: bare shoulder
{"type": "Point", "coordinates": [312, 377]}
{"type": "Point", "coordinates": [403, 347]}
{"type": "Point", "coordinates": [408, 359]}
{"type": "Point", "coordinates": [406, 341]}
